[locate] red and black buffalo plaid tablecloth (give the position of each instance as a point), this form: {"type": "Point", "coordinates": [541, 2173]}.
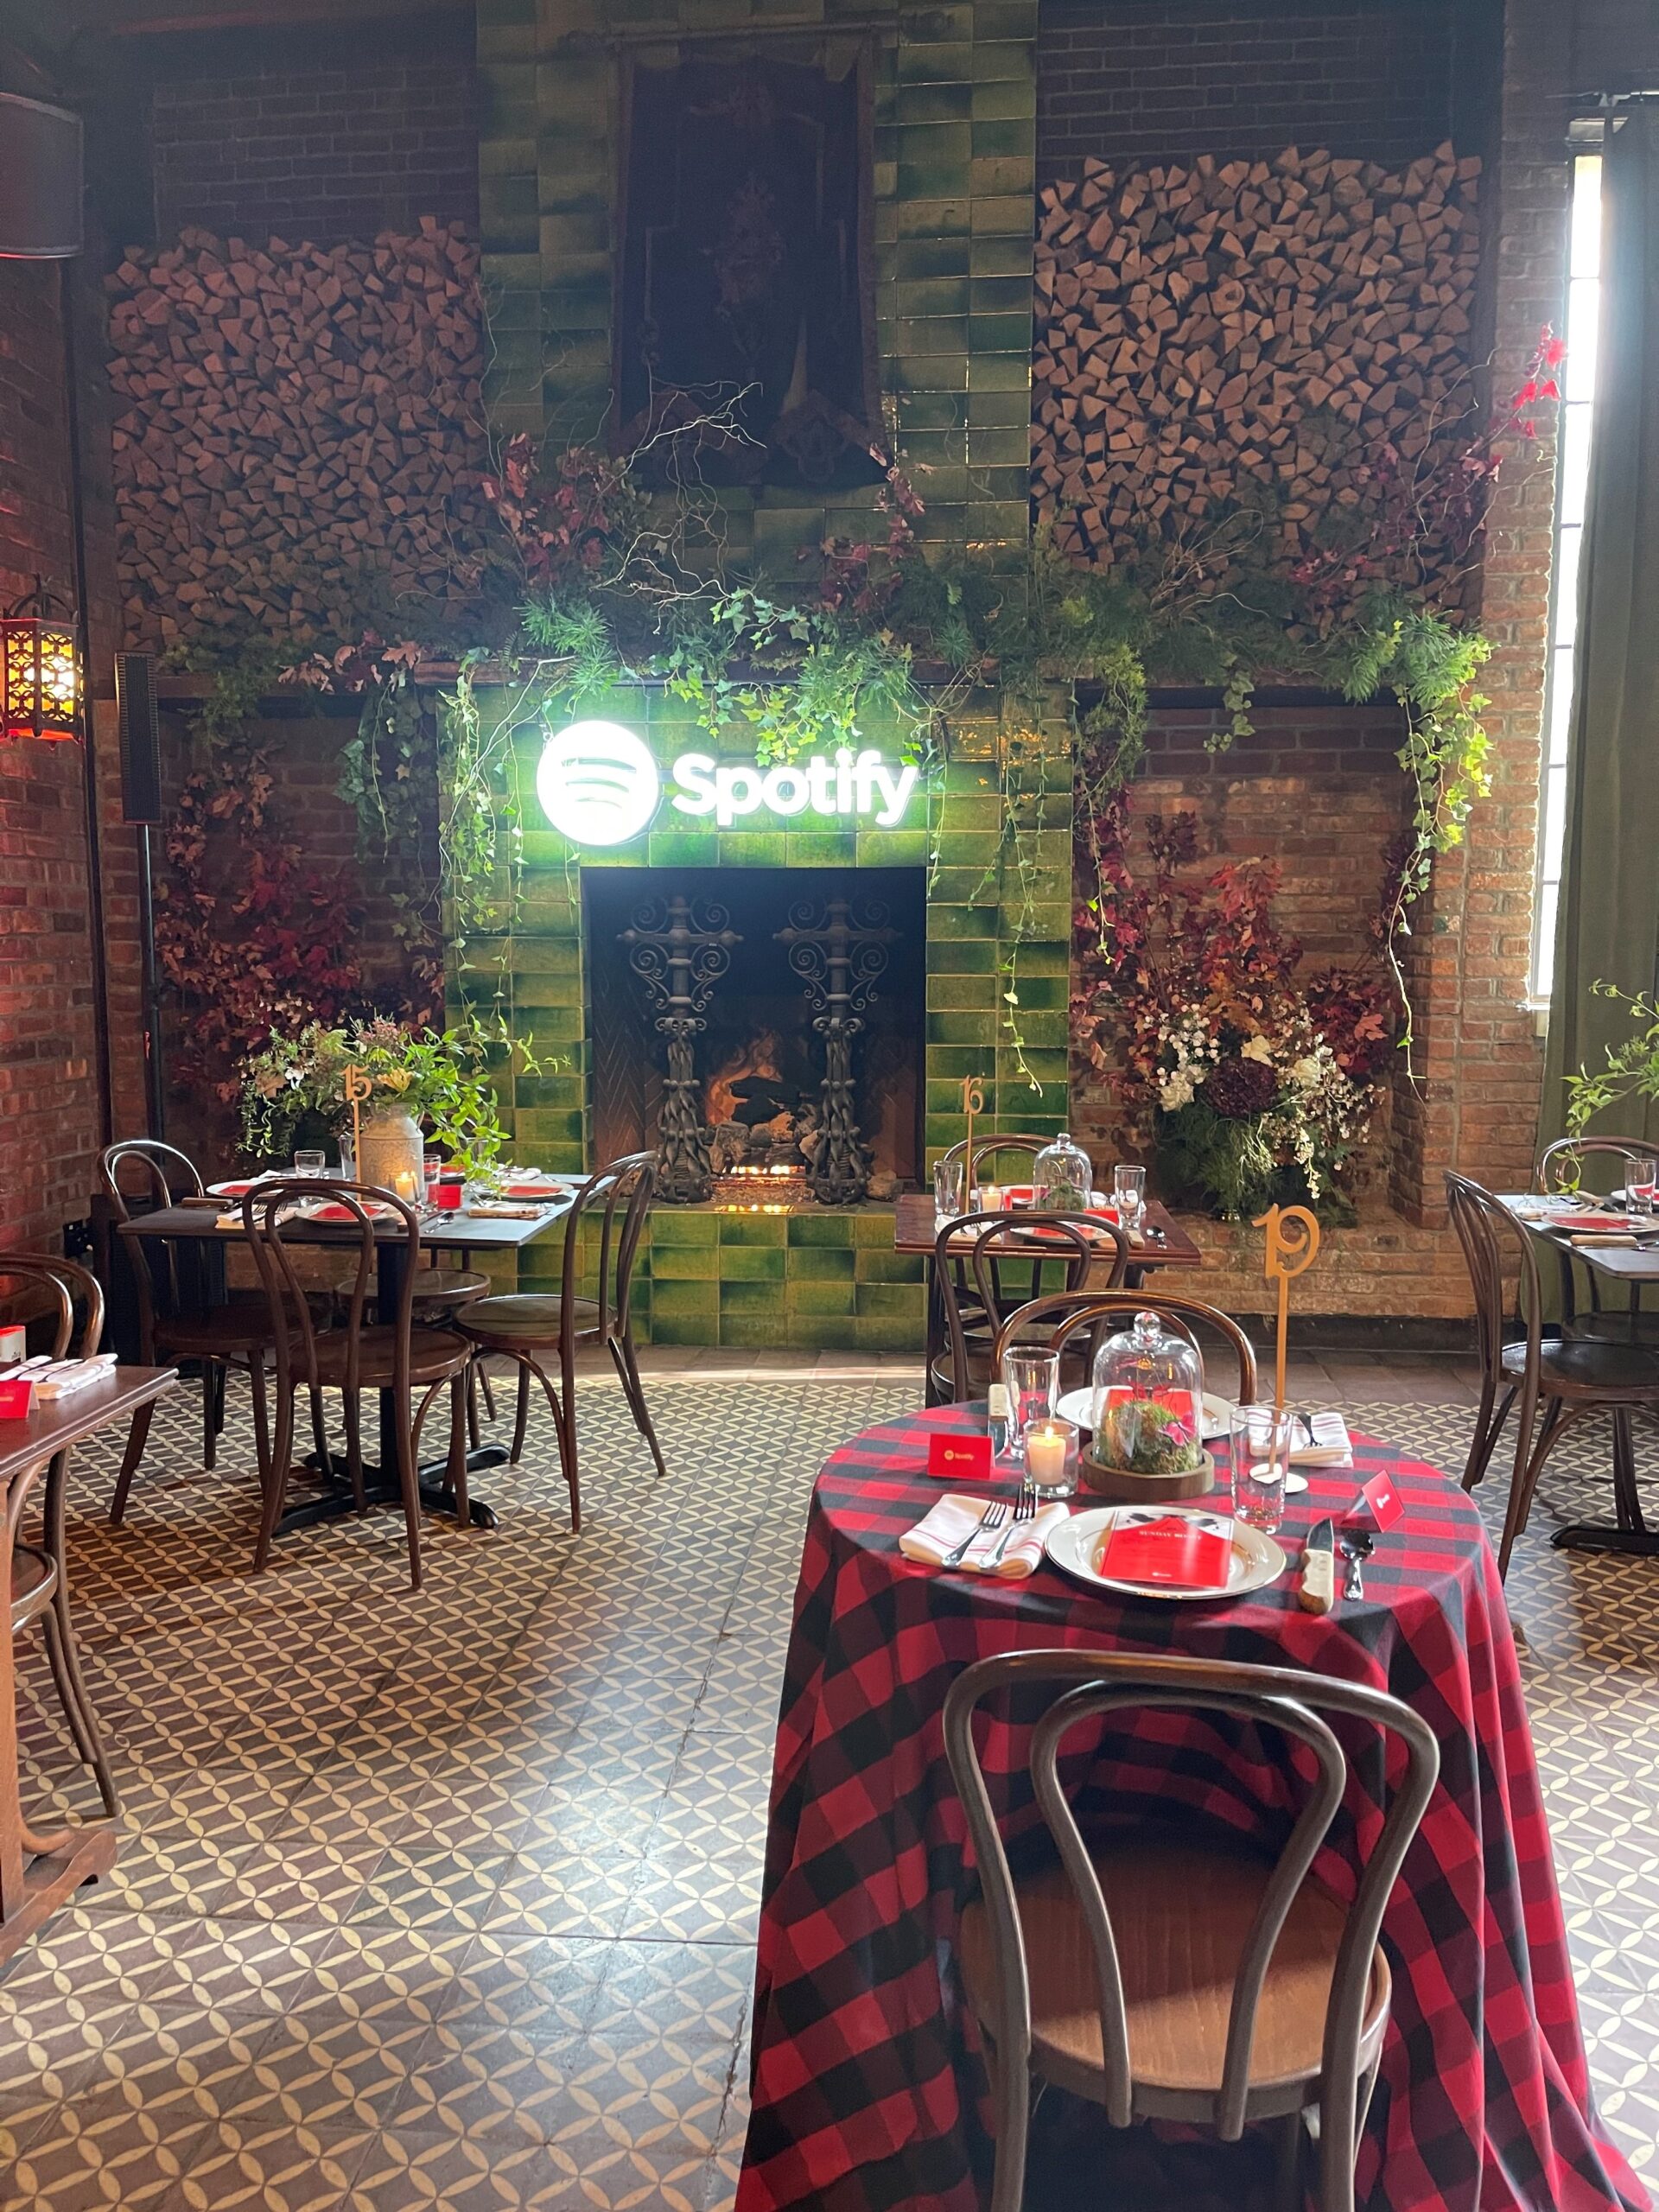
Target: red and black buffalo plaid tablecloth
{"type": "Point", "coordinates": [867, 2087]}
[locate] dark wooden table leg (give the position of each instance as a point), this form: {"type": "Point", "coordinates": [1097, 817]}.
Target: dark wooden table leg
{"type": "Point", "coordinates": [1630, 1533]}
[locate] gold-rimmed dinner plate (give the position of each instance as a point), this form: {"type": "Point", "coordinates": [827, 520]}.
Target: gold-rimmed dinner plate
{"type": "Point", "coordinates": [1078, 1406]}
{"type": "Point", "coordinates": [1074, 1544]}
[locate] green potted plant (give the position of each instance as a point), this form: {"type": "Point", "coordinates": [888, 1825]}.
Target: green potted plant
{"type": "Point", "coordinates": [422, 1084]}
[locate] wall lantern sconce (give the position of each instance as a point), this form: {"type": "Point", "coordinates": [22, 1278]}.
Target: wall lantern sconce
{"type": "Point", "coordinates": [40, 668]}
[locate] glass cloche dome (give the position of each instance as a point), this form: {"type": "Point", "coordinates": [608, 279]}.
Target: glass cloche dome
{"type": "Point", "coordinates": [1148, 1400]}
{"type": "Point", "coordinates": [1062, 1179]}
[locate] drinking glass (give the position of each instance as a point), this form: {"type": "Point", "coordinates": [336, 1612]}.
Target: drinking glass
{"type": "Point", "coordinates": [1641, 1175]}
{"type": "Point", "coordinates": [1260, 1444]}
{"type": "Point", "coordinates": [432, 1168]}
{"type": "Point", "coordinates": [1033, 1383]}
{"type": "Point", "coordinates": [949, 1179]}
{"type": "Point", "coordinates": [347, 1160]}
{"type": "Point", "coordinates": [1129, 1196]}
{"type": "Point", "coordinates": [310, 1163]}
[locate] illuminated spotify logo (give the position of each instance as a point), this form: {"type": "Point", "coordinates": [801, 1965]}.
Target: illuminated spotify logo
{"type": "Point", "coordinates": [597, 782]}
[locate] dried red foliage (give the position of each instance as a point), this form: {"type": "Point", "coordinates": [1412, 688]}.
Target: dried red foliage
{"type": "Point", "coordinates": [248, 938]}
{"type": "Point", "coordinates": [563, 524]}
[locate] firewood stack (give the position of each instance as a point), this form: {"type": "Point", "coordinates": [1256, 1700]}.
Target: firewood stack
{"type": "Point", "coordinates": [1242, 329]}
{"type": "Point", "coordinates": [300, 434]}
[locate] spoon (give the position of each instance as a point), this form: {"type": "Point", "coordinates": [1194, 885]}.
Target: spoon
{"type": "Point", "coordinates": [1357, 1545]}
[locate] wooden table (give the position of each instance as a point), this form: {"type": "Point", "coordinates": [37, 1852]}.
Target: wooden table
{"type": "Point", "coordinates": [442, 1232]}
{"type": "Point", "coordinates": [1165, 1244]}
{"type": "Point", "coordinates": [39, 1872]}
{"type": "Point", "coordinates": [1630, 1266]}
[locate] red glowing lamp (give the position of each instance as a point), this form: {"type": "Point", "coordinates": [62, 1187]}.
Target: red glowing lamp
{"type": "Point", "coordinates": [40, 668]}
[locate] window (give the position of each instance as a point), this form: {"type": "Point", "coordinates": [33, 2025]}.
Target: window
{"type": "Point", "coordinates": [1573, 483]}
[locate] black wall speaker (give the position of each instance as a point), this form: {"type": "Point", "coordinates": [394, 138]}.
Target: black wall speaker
{"type": "Point", "coordinates": [140, 737]}
{"type": "Point", "coordinates": [40, 180]}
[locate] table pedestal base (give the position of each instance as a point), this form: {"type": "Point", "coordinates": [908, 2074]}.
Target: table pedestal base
{"type": "Point", "coordinates": [380, 1488]}
{"type": "Point", "coordinates": [1592, 1536]}
{"type": "Point", "coordinates": [52, 1879]}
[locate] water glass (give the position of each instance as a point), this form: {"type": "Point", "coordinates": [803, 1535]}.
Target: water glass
{"type": "Point", "coordinates": [347, 1160]}
{"type": "Point", "coordinates": [1033, 1384]}
{"type": "Point", "coordinates": [1260, 1444]}
{"type": "Point", "coordinates": [310, 1163]}
{"type": "Point", "coordinates": [1129, 1196]}
{"type": "Point", "coordinates": [950, 1180]}
{"type": "Point", "coordinates": [1641, 1177]}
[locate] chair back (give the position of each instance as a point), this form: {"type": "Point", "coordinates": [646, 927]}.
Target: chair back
{"type": "Point", "coordinates": [987, 1147]}
{"type": "Point", "coordinates": [1487, 1231]}
{"type": "Point", "coordinates": [69, 1285]}
{"type": "Point", "coordinates": [1559, 1163]}
{"type": "Point", "coordinates": [293, 1330]}
{"type": "Point", "coordinates": [1067, 1312]}
{"type": "Point", "coordinates": [145, 1172]}
{"type": "Point", "coordinates": [616, 1197]}
{"type": "Point", "coordinates": [977, 1297]}
{"type": "Point", "coordinates": [1095, 1683]}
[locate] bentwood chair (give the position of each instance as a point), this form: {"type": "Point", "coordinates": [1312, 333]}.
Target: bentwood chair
{"type": "Point", "coordinates": [988, 1265]}
{"type": "Point", "coordinates": [1569, 1377]}
{"type": "Point", "coordinates": [532, 1328]}
{"type": "Point", "coordinates": [988, 1147]}
{"type": "Point", "coordinates": [386, 1356]}
{"type": "Point", "coordinates": [171, 1326]}
{"type": "Point", "coordinates": [1559, 1168]}
{"type": "Point", "coordinates": [1175, 1975]}
{"type": "Point", "coordinates": [1066, 1314]}
{"type": "Point", "coordinates": [40, 1571]}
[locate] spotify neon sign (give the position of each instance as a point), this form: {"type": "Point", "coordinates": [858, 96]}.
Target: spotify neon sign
{"type": "Point", "coordinates": [599, 785]}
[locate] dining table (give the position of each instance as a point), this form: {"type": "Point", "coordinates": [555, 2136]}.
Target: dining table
{"type": "Point", "coordinates": [869, 2087]}
{"type": "Point", "coordinates": [1562, 1223]}
{"type": "Point", "coordinates": [40, 1870]}
{"type": "Point", "coordinates": [1161, 1242]}
{"type": "Point", "coordinates": [461, 1231]}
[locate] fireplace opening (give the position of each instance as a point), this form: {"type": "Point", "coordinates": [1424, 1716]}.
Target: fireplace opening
{"type": "Point", "coordinates": [761, 1029]}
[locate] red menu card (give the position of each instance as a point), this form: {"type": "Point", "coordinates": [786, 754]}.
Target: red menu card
{"type": "Point", "coordinates": [1182, 1551]}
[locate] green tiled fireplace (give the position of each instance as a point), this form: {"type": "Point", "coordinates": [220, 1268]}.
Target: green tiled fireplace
{"type": "Point", "coordinates": [819, 1276]}
{"type": "Point", "coordinates": [949, 198]}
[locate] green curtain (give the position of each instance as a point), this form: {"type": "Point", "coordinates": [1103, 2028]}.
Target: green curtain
{"type": "Point", "coordinates": [1607, 928]}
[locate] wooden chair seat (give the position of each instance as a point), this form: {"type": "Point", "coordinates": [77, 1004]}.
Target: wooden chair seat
{"type": "Point", "coordinates": [1180, 1914]}
{"type": "Point", "coordinates": [234, 1330]}
{"type": "Point", "coordinates": [526, 1318]}
{"type": "Point", "coordinates": [437, 1290]}
{"type": "Point", "coordinates": [434, 1354]}
{"type": "Point", "coordinates": [1575, 1367]}
{"type": "Point", "coordinates": [34, 1582]}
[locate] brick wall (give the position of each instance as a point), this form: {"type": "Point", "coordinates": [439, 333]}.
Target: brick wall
{"type": "Point", "coordinates": [49, 1106]}
{"type": "Point", "coordinates": [322, 146]}
{"type": "Point", "coordinates": [1154, 80]}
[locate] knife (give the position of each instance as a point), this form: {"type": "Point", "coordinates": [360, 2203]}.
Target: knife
{"type": "Point", "coordinates": [1317, 1592]}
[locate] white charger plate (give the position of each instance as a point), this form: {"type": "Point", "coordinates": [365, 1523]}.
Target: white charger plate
{"type": "Point", "coordinates": [1256, 1561]}
{"type": "Point", "coordinates": [1079, 1406]}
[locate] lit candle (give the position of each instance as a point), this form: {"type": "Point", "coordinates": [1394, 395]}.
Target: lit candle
{"type": "Point", "coordinates": [1046, 1443]}
{"type": "Point", "coordinates": [406, 1185]}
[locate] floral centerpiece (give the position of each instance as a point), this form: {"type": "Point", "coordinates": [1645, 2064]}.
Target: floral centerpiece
{"type": "Point", "coordinates": [294, 1091]}
{"type": "Point", "coordinates": [1253, 1083]}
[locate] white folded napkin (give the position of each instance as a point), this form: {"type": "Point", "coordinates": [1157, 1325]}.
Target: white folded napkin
{"type": "Point", "coordinates": [946, 1523]}
{"type": "Point", "coordinates": [1331, 1447]}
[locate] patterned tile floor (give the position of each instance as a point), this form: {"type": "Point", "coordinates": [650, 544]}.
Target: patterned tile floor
{"type": "Point", "coordinates": [449, 1901]}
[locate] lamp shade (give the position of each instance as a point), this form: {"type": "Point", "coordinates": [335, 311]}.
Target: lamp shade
{"type": "Point", "coordinates": [40, 668]}
{"type": "Point", "coordinates": [40, 180]}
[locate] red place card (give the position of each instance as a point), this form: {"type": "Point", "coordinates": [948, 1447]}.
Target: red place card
{"type": "Point", "coordinates": [959, 1459]}
{"type": "Point", "coordinates": [1380, 1498]}
{"type": "Point", "coordinates": [1187, 1551]}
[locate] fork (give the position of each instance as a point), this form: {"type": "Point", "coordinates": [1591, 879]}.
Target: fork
{"type": "Point", "coordinates": [995, 1513]}
{"type": "Point", "coordinates": [1025, 1509]}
